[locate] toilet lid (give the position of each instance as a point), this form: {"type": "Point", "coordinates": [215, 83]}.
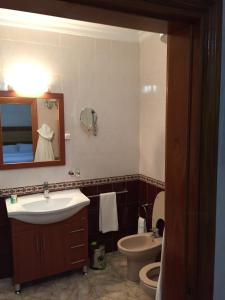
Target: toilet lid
{"type": "Point", "coordinates": [143, 274]}
{"type": "Point", "coordinates": [158, 209]}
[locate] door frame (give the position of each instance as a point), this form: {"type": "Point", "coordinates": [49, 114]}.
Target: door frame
{"type": "Point", "coordinates": [196, 155]}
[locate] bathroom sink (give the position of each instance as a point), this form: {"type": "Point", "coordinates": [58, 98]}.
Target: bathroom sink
{"type": "Point", "coordinates": [36, 209]}
{"type": "Point", "coordinates": [49, 205]}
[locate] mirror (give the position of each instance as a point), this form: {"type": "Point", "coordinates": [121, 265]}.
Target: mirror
{"type": "Point", "coordinates": [88, 119]}
{"type": "Point", "coordinates": [31, 131]}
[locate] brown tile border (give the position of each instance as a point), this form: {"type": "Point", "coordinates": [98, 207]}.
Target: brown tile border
{"type": "Point", "coordinates": [152, 181]}
{"type": "Point", "coordinates": [78, 184]}
{"type": "Point", "coordinates": [66, 185]}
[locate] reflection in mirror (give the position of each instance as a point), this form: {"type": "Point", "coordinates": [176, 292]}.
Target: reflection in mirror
{"type": "Point", "coordinates": [48, 130]}
{"type": "Point", "coordinates": [31, 130]}
{"type": "Point", "coordinates": [88, 119]}
{"type": "Point", "coordinates": [16, 122]}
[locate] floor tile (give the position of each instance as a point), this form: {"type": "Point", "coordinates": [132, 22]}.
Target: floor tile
{"type": "Point", "coordinates": [107, 284]}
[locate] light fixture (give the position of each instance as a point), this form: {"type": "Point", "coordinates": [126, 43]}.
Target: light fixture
{"type": "Point", "coordinates": [27, 78]}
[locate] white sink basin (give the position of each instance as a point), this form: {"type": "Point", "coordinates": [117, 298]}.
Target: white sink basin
{"type": "Point", "coordinates": [36, 209]}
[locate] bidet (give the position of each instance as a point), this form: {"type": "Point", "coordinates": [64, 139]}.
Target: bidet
{"type": "Point", "coordinates": [140, 249]}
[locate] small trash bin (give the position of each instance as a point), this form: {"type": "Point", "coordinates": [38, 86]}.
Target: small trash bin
{"type": "Point", "coordinates": [98, 261]}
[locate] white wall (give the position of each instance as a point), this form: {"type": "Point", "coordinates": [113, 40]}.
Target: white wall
{"type": "Point", "coordinates": [109, 76]}
{"type": "Point", "coordinates": [97, 73]}
{"type": "Point", "coordinates": [153, 62]}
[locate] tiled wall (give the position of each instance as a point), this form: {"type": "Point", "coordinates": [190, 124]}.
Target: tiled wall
{"type": "Point", "coordinates": [127, 204]}
{"type": "Point", "coordinates": [91, 72]}
{"type": "Point", "coordinates": [140, 189]}
{"type": "Point", "coordinates": [152, 121]}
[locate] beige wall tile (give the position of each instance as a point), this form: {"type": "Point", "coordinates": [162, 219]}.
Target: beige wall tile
{"type": "Point", "coordinates": [96, 73]}
{"type": "Point", "coordinates": [153, 56]}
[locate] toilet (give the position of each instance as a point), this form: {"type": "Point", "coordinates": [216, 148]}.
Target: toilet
{"type": "Point", "coordinates": [149, 274]}
{"type": "Point", "coordinates": [143, 249]}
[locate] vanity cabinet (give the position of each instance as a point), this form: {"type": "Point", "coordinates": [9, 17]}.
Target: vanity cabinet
{"type": "Point", "coordinates": [44, 250]}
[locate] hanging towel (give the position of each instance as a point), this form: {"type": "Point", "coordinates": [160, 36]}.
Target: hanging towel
{"type": "Point", "coordinates": [108, 218]}
{"type": "Point", "coordinates": [160, 280]}
{"type": "Point", "coordinates": [44, 150]}
{"type": "Point", "coordinates": [141, 225]}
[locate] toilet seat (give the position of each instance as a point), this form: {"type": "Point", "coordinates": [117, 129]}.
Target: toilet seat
{"type": "Point", "coordinates": [145, 278]}
{"type": "Point", "coordinates": [158, 211]}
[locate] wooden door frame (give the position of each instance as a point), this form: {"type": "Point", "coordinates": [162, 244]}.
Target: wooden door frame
{"type": "Point", "coordinates": [202, 19]}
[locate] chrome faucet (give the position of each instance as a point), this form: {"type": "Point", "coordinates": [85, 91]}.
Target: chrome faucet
{"type": "Point", "coordinates": [46, 190]}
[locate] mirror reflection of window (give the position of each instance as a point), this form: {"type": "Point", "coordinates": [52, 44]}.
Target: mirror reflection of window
{"type": "Point", "coordinates": [16, 122]}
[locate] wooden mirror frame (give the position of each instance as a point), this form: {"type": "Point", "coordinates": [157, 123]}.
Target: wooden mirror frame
{"type": "Point", "coordinates": [30, 100]}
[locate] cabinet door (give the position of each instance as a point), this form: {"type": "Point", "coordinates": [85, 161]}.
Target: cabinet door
{"type": "Point", "coordinates": [53, 249]}
{"type": "Point", "coordinates": [26, 256]}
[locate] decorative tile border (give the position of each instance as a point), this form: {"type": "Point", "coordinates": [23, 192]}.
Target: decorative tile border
{"type": "Point", "coordinates": [78, 184]}
{"type": "Point", "coordinates": [152, 181]}
{"type": "Point", "coordinates": [66, 185]}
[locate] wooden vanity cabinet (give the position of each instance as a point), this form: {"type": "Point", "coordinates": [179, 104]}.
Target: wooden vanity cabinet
{"type": "Point", "coordinates": [44, 250]}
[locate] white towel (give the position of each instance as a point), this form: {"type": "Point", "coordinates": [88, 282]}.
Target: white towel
{"type": "Point", "coordinates": [141, 225]}
{"type": "Point", "coordinates": [108, 218]}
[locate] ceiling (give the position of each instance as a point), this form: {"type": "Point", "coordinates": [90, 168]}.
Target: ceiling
{"type": "Point", "coordinates": [68, 26]}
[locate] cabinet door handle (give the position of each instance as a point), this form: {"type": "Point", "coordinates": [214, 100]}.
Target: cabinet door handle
{"type": "Point", "coordinates": [77, 261]}
{"type": "Point", "coordinates": [77, 246]}
{"type": "Point", "coordinates": [77, 230]}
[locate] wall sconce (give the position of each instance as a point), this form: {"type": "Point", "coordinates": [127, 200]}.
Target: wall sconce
{"type": "Point", "coordinates": [28, 79]}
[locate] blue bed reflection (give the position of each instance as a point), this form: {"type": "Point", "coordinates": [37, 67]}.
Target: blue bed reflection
{"type": "Point", "coordinates": [18, 153]}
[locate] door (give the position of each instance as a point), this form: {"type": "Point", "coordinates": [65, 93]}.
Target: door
{"type": "Point", "coordinates": [26, 253]}
{"type": "Point", "coordinates": [199, 207]}
{"type": "Point", "coordinates": [53, 249]}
